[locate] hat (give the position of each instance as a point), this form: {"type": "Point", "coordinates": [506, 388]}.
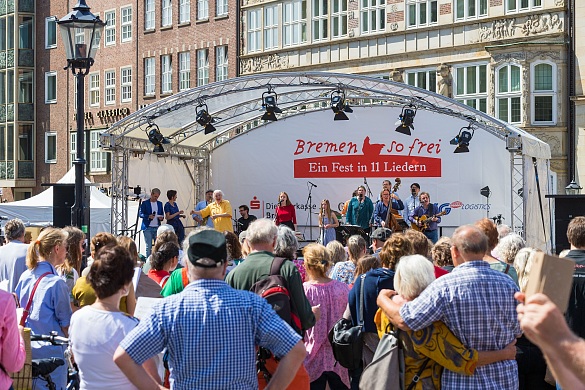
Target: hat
{"type": "Point", "coordinates": [381, 234]}
{"type": "Point", "coordinates": [207, 244]}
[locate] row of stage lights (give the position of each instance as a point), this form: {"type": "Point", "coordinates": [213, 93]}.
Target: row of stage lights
{"type": "Point", "coordinates": [339, 106]}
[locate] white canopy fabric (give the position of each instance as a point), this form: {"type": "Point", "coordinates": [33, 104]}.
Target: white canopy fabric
{"type": "Point", "coordinates": [38, 210]}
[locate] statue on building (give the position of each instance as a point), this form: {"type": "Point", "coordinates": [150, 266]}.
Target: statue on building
{"type": "Point", "coordinates": [396, 75]}
{"type": "Point", "coordinates": [445, 82]}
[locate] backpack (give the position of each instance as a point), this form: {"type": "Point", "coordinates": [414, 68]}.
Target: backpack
{"type": "Point", "coordinates": [386, 371]}
{"type": "Point", "coordinates": [274, 289]}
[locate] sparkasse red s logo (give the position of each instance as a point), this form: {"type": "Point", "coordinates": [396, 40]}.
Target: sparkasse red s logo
{"type": "Point", "coordinates": [255, 204]}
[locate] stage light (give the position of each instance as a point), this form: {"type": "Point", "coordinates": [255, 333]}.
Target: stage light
{"type": "Point", "coordinates": [406, 119]}
{"type": "Point", "coordinates": [156, 138]}
{"type": "Point", "coordinates": [339, 106]}
{"type": "Point", "coordinates": [462, 139]}
{"type": "Point", "coordinates": [269, 104]}
{"type": "Point", "coordinates": [204, 119]}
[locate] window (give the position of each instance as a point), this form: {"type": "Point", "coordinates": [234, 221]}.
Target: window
{"type": "Point", "coordinates": [50, 32]}
{"type": "Point", "coordinates": [271, 27]}
{"type": "Point", "coordinates": [98, 158]}
{"type": "Point", "coordinates": [167, 13]}
{"type": "Point", "coordinates": [372, 16]}
{"type": "Point", "coordinates": [25, 86]}
{"type": "Point", "coordinates": [338, 18]}
{"type": "Point", "coordinates": [73, 149]}
{"type": "Point", "coordinates": [50, 87]}
{"type": "Point", "coordinates": [221, 7]}
{"type": "Point", "coordinates": [522, 5]}
{"type": "Point", "coordinates": [425, 79]}
{"type": "Point", "coordinates": [469, 9]}
{"type": "Point", "coordinates": [221, 63]}
{"type": "Point", "coordinates": [149, 76]}
{"type": "Point", "coordinates": [126, 23]}
{"type": "Point", "coordinates": [202, 67]}
{"type": "Point", "coordinates": [25, 32]}
{"type": "Point", "coordinates": [294, 15]}
{"type": "Point", "coordinates": [254, 30]}
{"type": "Point", "coordinates": [50, 148]}
{"type": "Point", "coordinates": [202, 9]}
{"type": "Point", "coordinates": [471, 86]}
{"type": "Point", "coordinates": [110, 28]}
{"type": "Point", "coordinates": [422, 12]}
{"type": "Point", "coordinates": [184, 11]}
{"type": "Point", "coordinates": [544, 93]}
{"type": "Point", "coordinates": [94, 89]}
{"type": "Point", "coordinates": [184, 71]}
{"type": "Point", "coordinates": [166, 85]}
{"type": "Point", "coordinates": [79, 35]}
{"type": "Point", "coordinates": [508, 94]}
{"type": "Point", "coordinates": [126, 75]}
{"type": "Point", "coordinates": [110, 86]}
{"type": "Point", "coordinates": [149, 14]}
{"type": "Point", "coordinates": [320, 19]}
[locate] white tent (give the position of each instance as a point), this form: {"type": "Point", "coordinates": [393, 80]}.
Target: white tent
{"type": "Point", "coordinates": [38, 210]}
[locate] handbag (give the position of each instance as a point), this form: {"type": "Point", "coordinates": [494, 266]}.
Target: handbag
{"type": "Point", "coordinates": [347, 340]}
{"type": "Point", "coordinates": [387, 369]}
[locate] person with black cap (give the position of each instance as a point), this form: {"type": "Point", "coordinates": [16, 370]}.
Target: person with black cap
{"type": "Point", "coordinates": [197, 327]}
{"type": "Point", "coordinates": [379, 237]}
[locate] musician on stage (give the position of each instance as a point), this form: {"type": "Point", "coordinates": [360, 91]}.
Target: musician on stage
{"type": "Point", "coordinates": [429, 210]}
{"type": "Point", "coordinates": [246, 219]}
{"type": "Point", "coordinates": [285, 212]}
{"type": "Point", "coordinates": [360, 210]}
{"type": "Point", "coordinates": [384, 206]}
{"type": "Point", "coordinates": [412, 202]}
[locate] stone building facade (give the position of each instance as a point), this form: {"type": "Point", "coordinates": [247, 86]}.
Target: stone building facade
{"type": "Point", "coordinates": [507, 58]}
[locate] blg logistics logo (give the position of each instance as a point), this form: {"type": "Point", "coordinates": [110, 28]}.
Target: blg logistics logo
{"type": "Point", "coordinates": [464, 206]}
{"type": "Point", "coordinates": [342, 159]}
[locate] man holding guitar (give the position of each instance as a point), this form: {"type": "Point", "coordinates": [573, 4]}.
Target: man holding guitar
{"type": "Point", "coordinates": [426, 218]}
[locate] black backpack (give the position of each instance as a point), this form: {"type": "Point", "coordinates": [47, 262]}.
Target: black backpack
{"type": "Point", "coordinates": [275, 290]}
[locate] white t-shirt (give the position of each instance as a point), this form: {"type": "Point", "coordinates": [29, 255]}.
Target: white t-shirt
{"type": "Point", "coordinates": [94, 336]}
{"type": "Point", "coordinates": [154, 208]}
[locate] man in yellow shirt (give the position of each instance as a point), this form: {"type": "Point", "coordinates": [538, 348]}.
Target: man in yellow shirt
{"type": "Point", "coordinates": [220, 212]}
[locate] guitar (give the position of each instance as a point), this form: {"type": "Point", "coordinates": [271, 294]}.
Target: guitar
{"type": "Point", "coordinates": [424, 221]}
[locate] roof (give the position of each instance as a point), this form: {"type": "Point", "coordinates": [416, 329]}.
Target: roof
{"type": "Point", "coordinates": [237, 106]}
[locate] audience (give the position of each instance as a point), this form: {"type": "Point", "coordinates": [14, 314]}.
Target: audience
{"type": "Point", "coordinates": [344, 271]}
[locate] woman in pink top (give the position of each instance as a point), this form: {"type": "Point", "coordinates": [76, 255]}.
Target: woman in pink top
{"type": "Point", "coordinates": [331, 296]}
{"type": "Point", "coordinates": [12, 352]}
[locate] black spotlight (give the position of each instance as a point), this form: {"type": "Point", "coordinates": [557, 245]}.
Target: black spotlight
{"type": "Point", "coordinates": [156, 138]}
{"type": "Point", "coordinates": [462, 140]}
{"type": "Point", "coordinates": [340, 106]}
{"type": "Point", "coordinates": [406, 119]}
{"type": "Point", "coordinates": [204, 119]}
{"type": "Point", "coordinates": [269, 104]}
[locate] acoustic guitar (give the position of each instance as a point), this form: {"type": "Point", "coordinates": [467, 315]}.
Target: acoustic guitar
{"type": "Point", "coordinates": [424, 221]}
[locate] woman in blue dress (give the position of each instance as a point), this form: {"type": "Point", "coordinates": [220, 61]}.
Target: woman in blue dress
{"type": "Point", "coordinates": [173, 215]}
{"type": "Point", "coordinates": [327, 223]}
{"type": "Point", "coordinates": [50, 309]}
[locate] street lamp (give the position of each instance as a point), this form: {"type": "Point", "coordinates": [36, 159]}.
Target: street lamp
{"type": "Point", "coordinates": [573, 188]}
{"type": "Point", "coordinates": [81, 32]}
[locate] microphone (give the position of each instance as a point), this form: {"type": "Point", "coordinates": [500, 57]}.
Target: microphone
{"type": "Point", "coordinates": [314, 185]}
{"type": "Point", "coordinates": [365, 181]}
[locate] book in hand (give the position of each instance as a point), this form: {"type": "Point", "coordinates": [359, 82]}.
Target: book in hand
{"type": "Point", "coordinates": [552, 276]}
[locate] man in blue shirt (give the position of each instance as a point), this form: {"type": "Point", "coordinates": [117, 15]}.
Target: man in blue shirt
{"type": "Point", "coordinates": [210, 330]}
{"type": "Point", "coordinates": [13, 255]}
{"type": "Point", "coordinates": [200, 206]}
{"type": "Point", "coordinates": [411, 203]}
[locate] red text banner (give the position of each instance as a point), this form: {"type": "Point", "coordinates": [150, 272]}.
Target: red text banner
{"type": "Point", "coordinates": [371, 166]}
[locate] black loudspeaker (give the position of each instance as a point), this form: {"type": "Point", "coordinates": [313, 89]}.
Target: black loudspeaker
{"type": "Point", "coordinates": [566, 208]}
{"type": "Point", "coordinates": [63, 201]}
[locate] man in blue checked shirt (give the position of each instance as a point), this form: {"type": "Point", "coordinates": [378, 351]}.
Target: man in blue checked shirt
{"type": "Point", "coordinates": [197, 326]}
{"type": "Point", "coordinates": [475, 302]}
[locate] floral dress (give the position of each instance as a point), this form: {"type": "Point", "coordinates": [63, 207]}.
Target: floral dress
{"type": "Point", "coordinates": [344, 272]}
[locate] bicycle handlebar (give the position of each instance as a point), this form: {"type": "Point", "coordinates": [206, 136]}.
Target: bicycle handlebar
{"type": "Point", "coordinates": [53, 338]}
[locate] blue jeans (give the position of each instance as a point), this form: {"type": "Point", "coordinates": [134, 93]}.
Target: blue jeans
{"type": "Point", "coordinates": [432, 235]}
{"type": "Point", "coordinates": [149, 235]}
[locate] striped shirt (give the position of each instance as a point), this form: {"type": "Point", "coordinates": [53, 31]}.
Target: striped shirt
{"type": "Point", "coordinates": [478, 305]}
{"type": "Point", "coordinates": [211, 332]}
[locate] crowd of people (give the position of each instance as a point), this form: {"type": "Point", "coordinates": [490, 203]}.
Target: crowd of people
{"type": "Point", "coordinates": [457, 303]}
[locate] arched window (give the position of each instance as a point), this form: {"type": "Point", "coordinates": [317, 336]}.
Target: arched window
{"type": "Point", "coordinates": [509, 93]}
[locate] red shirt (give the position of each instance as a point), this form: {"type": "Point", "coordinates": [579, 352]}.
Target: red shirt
{"type": "Point", "coordinates": [440, 272]}
{"type": "Point", "coordinates": [161, 277]}
{"type": "Point", "coordinates": [285, 214]}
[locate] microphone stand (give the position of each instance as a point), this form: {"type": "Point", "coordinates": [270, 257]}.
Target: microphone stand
{"type": "Point", "coordinates": [368, 188]}
{"type": "Point", "coordinates": [310, 203]}
{"type": "Point", "coordinates": [322, 227]}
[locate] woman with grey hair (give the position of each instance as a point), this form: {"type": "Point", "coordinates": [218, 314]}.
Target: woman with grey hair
{"type": "Point", "coordinates": [508, 247]}
{"type": "Point", "coordinates": [429, 350]}
{"type": "Point", "coordinates": [344, 271]}
{"type": "Point", "coordinates": [287, 246]}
